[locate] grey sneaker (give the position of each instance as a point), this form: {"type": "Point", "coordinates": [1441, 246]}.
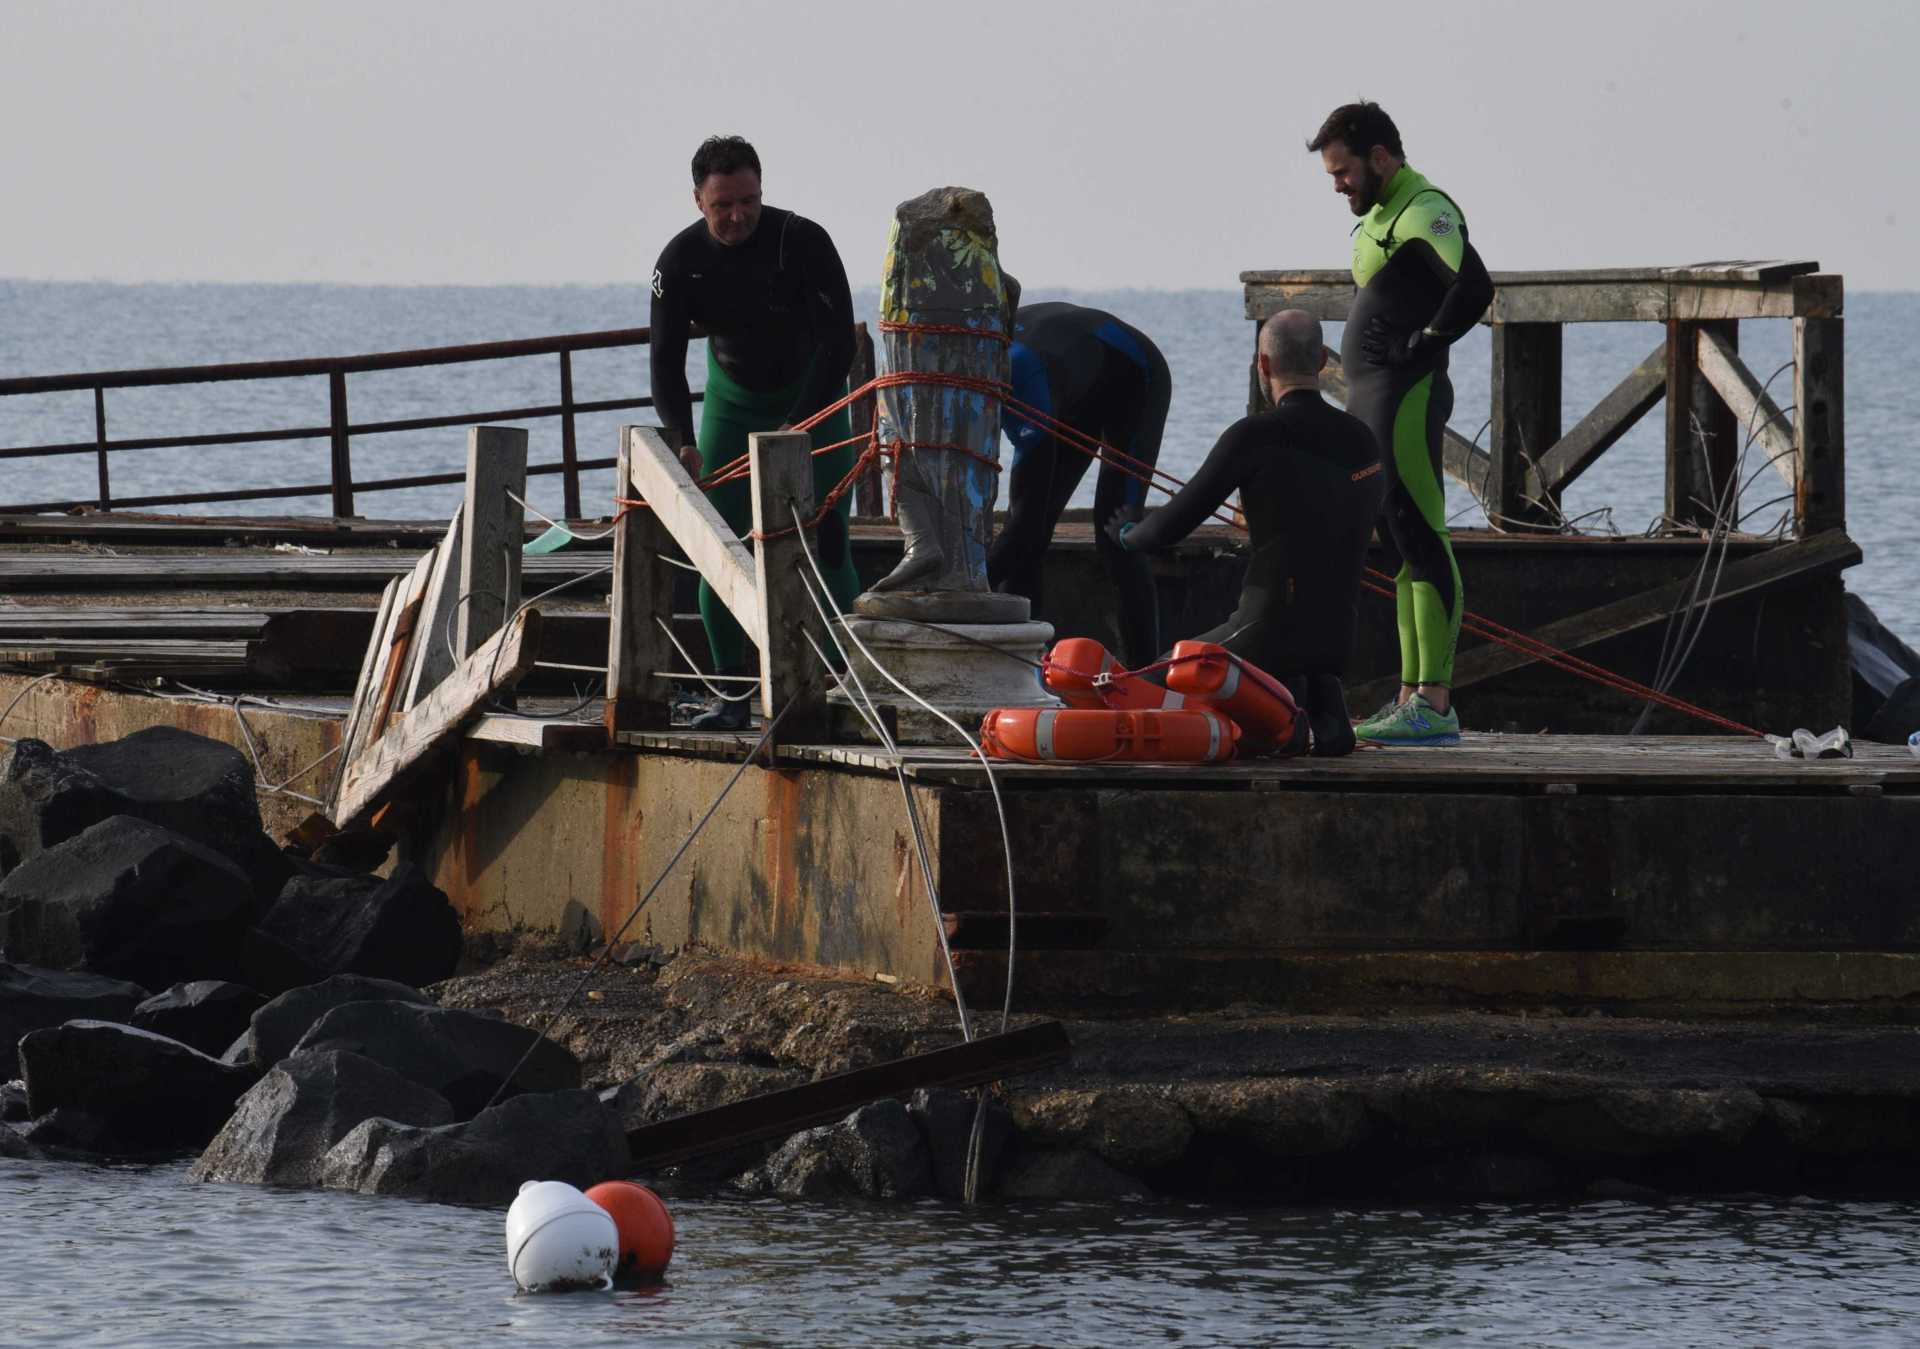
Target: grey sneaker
{"type": "Point", "coordinates": [1415, 722]}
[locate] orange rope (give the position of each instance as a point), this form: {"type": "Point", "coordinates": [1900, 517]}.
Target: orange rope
{"type": "Point", "coordinates": [1150, 475]}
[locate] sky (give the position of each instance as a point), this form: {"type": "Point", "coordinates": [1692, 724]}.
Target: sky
{"type": "Point", "coordinates": [1154, 144]}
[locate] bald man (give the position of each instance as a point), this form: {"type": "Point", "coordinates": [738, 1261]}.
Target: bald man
{"type": "Point", "coordinates": [1311, 485]}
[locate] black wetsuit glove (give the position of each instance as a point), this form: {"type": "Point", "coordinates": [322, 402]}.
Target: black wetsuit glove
{"type": "Point", "coordinates": [1116, 528]}
{"type": "Point", "coordinates": [1386, 348]}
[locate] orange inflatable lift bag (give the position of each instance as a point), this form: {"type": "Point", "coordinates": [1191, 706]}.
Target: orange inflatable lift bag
{"type": "Point", "coordinates": [1082, 673]}
{"type": "Point", "coordinates": [1245, 692]}
{"type": "Point", "coordinates": [1108, 735]}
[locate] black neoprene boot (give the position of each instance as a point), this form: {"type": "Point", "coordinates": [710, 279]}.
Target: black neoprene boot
{"type": "Point", "coordinates": [1327, 713]}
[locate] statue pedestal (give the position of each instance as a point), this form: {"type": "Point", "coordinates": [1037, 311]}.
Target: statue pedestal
{"type": "Point", "coordinates": [949, 667]}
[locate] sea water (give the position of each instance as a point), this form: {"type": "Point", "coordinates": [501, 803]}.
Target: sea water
{"type": "Point", "coordinates": [61, 327]}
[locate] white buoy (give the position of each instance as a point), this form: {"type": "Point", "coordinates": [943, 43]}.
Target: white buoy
{"type": "Point", "coordinates": [558, 1239]}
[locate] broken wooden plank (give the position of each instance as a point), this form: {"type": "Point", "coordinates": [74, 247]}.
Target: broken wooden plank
{"type": "Point", "coordinates": [636, 647]}
{"type": "Point", "coordinates": [986, 1058]}
{"type": "Point", "coordinates": [394, 661]}
{"type": "Point", "coordinates": [354, 735]}
{"type": "Point", "coordinates": [499, 663]}
{"type": "Point", "coordinates": [1611, 418]}
{"type": "Point", "coordinates": [493, 534]}
{"type": "Point", "coordinates": [1819, 423]}
{"type": "Point", "coordinates": [432, 656]}
{"type": "Point", "coordinates": [791, 676]}
{"type": "Point", "coordinates": [1830, 551]}
{"type": "Point", "coordinates": [1756, 417]}
{"type": "Point", "coordinates": [542, 734]}
{"type": "Point", "coordinates": [709, 543]}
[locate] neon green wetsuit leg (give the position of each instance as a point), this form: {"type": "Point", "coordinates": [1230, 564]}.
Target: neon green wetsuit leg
{"type": "Point", "coordinates": [729, 413]}
{"type": "Point", "coordinates": [1428, 602]}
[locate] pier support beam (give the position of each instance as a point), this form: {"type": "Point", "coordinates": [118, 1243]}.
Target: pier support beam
{"type": "Point", "coordinates": [1525, 417]}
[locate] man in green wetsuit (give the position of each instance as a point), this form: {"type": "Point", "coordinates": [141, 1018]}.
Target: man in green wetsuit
{"type": "Point", "coordinates": [769, 288]}
{"type": "Point", "coordinates": [1421, 286]}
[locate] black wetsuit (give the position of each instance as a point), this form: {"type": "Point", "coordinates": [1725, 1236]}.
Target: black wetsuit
{"type": "Point", "coordinates": [1311, 485]}
{"type": "Point", "coordinates": [1420, 281]}
{"type": "Point", "coordinates": [1107, 380]}
{"type": "Point", "coordinates": [779, 323]}
{"type": "Point", "coordinates": [775, 308]}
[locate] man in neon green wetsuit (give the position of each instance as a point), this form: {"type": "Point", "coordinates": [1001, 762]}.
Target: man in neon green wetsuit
{"type": "Point", "coordinates": [769, 288]}
{"type": "Point", "coordinates": [1421, 286]}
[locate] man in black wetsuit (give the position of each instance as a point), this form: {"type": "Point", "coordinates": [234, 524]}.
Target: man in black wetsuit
{"type": "Point", "coordinates": [1310, 484]}
{"type": "Point", "coordinates": [1105, 379]}
{"type": "Point", "coordinates": [1421, 286]}
{"type": "Point", "coordinates": [768, 287]}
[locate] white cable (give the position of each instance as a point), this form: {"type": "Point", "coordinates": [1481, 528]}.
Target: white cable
{"type": "Point", "coordinates": [41, 679]}
{"type": "Point", "coordinates": [560, 525]}
{"type": "Point", "coordinates": [695, 669]}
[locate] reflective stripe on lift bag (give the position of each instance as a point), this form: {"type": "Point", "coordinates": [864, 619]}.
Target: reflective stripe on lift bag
{"type": "Point", "coordinates": [1105, 735]}
{"type": "Point", "coordinates": [1082, 673]}
{"type": "Point", "coordinates": [1241, 689]}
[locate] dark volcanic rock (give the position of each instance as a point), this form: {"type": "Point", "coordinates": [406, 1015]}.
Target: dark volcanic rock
{"type": "Point", "coordinates": [282, 1129]}
{"type": "Point", "coordinates": [194, 786]}
{"type": "Point", "coordinates": [129, 899]}
{"type": "Point", "coordinates": [71, 1129]}
{"type": "Point", "coordinates": [400, 928]}
{"type": "Point", "coordinates": [15, 1148]}
{"type": "Point", "coordinates": [1070, 1173]}
{"type": "Point", "coordinates": [945, 1116]}
{"type": "Point", "coordinates": [206, 1014]}
{"type": "Point", "coordinates": [277, 1027]}
{"type": "Point", "coordinates": [152, 1093]}
{"type": "Point", "coordinates": [32, 997]}
{"type": "Point", "coordinates": [877, 1151]}
{"type": "Point", "coordinates": [13, 1102]}
{"type": "Point", "coordinates": [562, 1135]}
{"type": "Point", "coordinates": [462, 1055]}
{"type": "Point", "coordinates": [47, 798]}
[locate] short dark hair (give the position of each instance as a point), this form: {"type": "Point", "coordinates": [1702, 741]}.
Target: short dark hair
{"type": "Point", "coordinates": [1359, 126]}
{"type": "Point", "coordinates": [723, 154]}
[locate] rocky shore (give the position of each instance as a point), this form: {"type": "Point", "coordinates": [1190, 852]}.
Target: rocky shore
{"type": "Point", "coordinates": [176, 983]}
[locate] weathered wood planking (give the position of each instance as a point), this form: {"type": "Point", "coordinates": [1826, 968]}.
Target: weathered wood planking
{"type": "Point", "coordinates": [1525, 422]}
{"type": "Point", "coordinates": [1482, 761]}
{"type": "Point", "coordinates": [642, 595]}
{"type": "Point", "coordinates": [20, 572]}
{"type": "Point", "coordinates": [791, 675]}
{"type": "Point", "coordinates": [1611, 418]}
{"type": "Point", "coordinates": [493, 533]}
{"type": "Point", "coordinates": [1819, 424]}
{"type": "Point", "coordinates": [395, 659]}
{"type": "Point", "coordinates": [1824, 552]}
{"type": "Point", "coordinates": [541, 734]}
{"type": "Point", "coordinates": [985, 1058]}
{"type": "Point", "coordinates": [696, 526]}
{"type": "Point", "coordinates": [499, 664]}
{"type": "Point", "coordinates": [355, 733]}
{"type": "Point", "coordinates": [1603, 295]}
{"type": "Point", "coordinates": [432, 657]}
{"type": "Point", "coordinates": [1755, 414]}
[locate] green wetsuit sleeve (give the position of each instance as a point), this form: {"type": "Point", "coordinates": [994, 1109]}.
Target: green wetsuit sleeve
{"type": "Point", "coordinates": [1219, 477]}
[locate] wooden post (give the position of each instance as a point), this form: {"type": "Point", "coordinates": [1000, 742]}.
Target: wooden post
{"type": "Point", "coordinates": [569, 450]}
{"type": "Point", "coordinates": [342, 466]}
{"type": "Point", "coordinates": [637, 700]}
{"type": "Point", "coordinates": [1819, 424]}
{"type": "Point", "coordinates": [100, 444]}
{"type": "Point", "coordinates": [1703, 440]}
{"type": "Point", "coordinates": [790, 671]}
{"type": "Point", "coordinates": [494, 533]}
{"type": "Point", "coordinates": [866, 493]}
{"type": "Point", "coordinates": [1257, 400]}
{"type": "Point", "coordinates": [1525, 418]}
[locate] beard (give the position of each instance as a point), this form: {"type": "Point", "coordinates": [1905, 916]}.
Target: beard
{"type": "Point", "coordinates": [1368, 194]}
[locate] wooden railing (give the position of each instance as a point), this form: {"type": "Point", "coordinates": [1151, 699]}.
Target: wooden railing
{"type": "Point", "coordinates": [341, 485]}
{"type": "Point", "coordinates": [1714, 403]}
